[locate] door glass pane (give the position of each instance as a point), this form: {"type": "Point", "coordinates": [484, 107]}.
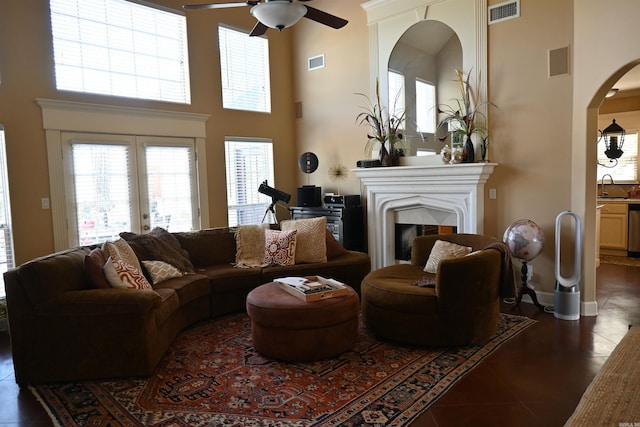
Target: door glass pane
{"type": "Point", "coordinates": [169, 187]}
{"type": "Point", "coordinates": [102, 191]}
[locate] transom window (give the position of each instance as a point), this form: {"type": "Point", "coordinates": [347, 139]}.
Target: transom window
{"type": "Point", "coordinates": [244, 66]}
{"type": "Point", "coordinates": [248, 163]}
{"type": "Point", "coordinates": [120, 48]}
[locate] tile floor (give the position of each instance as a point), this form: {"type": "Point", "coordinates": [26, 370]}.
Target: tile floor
{"type": "Point", "coordinates": [535, 379]}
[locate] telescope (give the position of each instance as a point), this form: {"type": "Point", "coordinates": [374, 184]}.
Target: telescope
{"type": "Point", "coordinates": [276, 196]}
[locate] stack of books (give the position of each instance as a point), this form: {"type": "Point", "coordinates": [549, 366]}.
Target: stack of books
{"type": "Point", "coordinates": [312, 288]}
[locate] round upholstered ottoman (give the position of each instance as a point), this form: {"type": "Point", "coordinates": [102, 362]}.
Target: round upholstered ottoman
{"type": "Point", "coordinates": [286, 328]}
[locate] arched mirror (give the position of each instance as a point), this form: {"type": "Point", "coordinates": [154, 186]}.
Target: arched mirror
{"type": "Point", "coordinates": [421, 76]}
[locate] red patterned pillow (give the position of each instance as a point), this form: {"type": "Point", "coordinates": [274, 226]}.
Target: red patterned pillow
{"type": "Point", "coordinates": [120, 274]}
{"type": "Point", "coordinates": [279, 247]}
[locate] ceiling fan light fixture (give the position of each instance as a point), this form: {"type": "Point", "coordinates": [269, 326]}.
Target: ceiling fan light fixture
{"type": "Point", "coordinates": [278, 14]}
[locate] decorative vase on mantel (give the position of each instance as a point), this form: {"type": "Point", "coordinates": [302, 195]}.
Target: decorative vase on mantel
{"type": "Point", "coordinates": [468, 152]}
{"type": "Point", "coordinates": [385, 157]}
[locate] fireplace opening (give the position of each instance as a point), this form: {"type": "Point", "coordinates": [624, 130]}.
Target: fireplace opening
{"type": "Point", "coordinates": [405, 233]}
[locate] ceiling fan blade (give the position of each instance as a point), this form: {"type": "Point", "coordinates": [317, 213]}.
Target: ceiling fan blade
{"type": "Point", "coordinates": [218, 5]}
{"type": "Point", "coordinates": [259, 29]}
{"type": "Point", "coordinates": [325, 18]}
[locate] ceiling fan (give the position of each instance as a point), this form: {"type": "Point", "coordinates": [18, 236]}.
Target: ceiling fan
{"type": "Point", "coordinates": [277, 14]}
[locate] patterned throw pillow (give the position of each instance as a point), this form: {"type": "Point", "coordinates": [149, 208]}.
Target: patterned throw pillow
{"type": "Point", "coordinates": [311, 243]}
{"type": "Point", "coordinates": [120, 274]}
{"type": "Point", "coordinates": [120, 249]}
{"type": "Point", "coordinates": [279, 247]}
{"type": "Point", "coordinates": [444, 250]}
{"type": "Point", "coordinates": [160, 270]}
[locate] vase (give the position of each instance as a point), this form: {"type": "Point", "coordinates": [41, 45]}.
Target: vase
{"type": "Point", "coordinates": [468, 152]}
{"type": "Point", "coordinates": [385, 157]}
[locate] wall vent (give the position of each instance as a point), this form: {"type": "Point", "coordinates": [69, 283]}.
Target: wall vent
{"type": "Point", "coordinates": [503, 11]}
{"type": "Point", "coordinates": [316, 62]}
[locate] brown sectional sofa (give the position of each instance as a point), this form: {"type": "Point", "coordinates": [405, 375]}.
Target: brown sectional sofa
{"type": "Point", "coordinates": [63, 329]}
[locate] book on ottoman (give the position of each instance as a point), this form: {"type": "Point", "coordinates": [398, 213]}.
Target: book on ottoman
{"type": "Point", "coordinates": [312, 288]}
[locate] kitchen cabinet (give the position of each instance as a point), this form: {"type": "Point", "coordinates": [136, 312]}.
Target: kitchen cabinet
{"type": "Point", "coordinates": [613, 228]}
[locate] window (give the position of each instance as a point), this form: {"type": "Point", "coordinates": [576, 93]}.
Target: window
{"type": "Point", "coordinates": [248, 163]}
{"type": "Point", "coordinates": [425, 106]}
{"type": "Point", "coordinates": [125, 183]}
{"type": "Point", "coordinates": [396, 94]}
{"type": "Point", "coordinates": [627, 169]}
{"type": "Point", "coordinates": [244, 64]}
{"type": "Point", "coordinates": [120, 48]}
{"type": "Point", "coordinates": [6, 238]}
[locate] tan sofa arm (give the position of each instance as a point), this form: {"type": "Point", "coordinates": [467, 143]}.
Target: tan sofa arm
{"type": "Point", "coordinates": [101, 301]}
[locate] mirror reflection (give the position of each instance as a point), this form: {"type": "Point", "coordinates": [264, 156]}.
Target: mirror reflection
{"type": "Point", "coordinates": [421, 76]}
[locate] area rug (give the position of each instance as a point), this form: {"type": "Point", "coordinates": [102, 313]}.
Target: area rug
{"type": "Point", "coordinates": [211, 376]}
{"type": "Point", "coordinates": [620, 260]}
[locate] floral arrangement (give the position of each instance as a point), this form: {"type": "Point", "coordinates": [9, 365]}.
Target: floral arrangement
{"type": "Point", "coordinates": [465, 117]}
{"type": "Point", "coordinates": [383, 126]}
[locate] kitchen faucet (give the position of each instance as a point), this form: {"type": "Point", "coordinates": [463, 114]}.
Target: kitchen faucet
{"type": "Point", "coordinates": [602, 192]}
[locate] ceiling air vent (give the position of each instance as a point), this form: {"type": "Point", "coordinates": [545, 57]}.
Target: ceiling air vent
{"type": "Point", "coordinates": [503, 11]}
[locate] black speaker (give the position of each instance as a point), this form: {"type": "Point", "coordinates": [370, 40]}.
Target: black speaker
{"type": "Point", "coordinates": [309, 196]}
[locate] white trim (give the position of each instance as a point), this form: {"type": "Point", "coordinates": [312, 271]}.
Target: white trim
{"type": "Point", "coordinates": [65, 116]}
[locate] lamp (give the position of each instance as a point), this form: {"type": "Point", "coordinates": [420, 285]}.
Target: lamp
{"type": "Point", "coordinates": [276, 196]}
{"type": "Point", "coordinates": [278, 14]}
{"type": "Point", "coordinates": [613, 137]}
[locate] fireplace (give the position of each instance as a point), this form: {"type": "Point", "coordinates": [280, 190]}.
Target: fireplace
{"type": "Point", "coordinates": [433, 194]}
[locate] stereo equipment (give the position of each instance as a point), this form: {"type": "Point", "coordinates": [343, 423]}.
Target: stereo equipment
{"type": "Point", "coordinates": [368, 163]}
{"type": "Point", "coordinates": [342, 201]}
{"type": "Point", "coordinates": [309, 196]}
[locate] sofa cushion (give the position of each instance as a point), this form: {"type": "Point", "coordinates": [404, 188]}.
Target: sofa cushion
{"type": "Point", "coordinates": [188, 287]}
{"type": "Point", "coordinates": [444, 250]}
{"type": "Point", "coordinates": [311, 245]}
{"type": "Point", "coordinates": [334, 248]}
{"type": "Point", "coordinates": [120, 274]}
{"type": "Point", "coordinates": [210, 246]}
{"type": "Point", "coordinates": [93, 264]}
{"type": "Point", "coordinates": [279, 247]}
{"type": "Point", "coordinates": [250, 245]}
{"type": "Point", "coordinates": [160, 270]}
{"type": "Point", "coordinates": [162, 246]}
{"type": "Point", "coordinates": [120, 249]}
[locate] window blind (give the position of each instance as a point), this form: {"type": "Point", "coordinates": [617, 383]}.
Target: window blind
{"type": "Point", "coordinates": [169, 187]}
{"type": "Point", "coordinates": [244, 66]}
{"type": "Point", "coordinates": [425, 106]}
{"type": "Point", "coordinates": [102, 185]}
{"type": "Point", "coordinates": [6, 236]}
{"type": "Point", "coordinates": [120, 48]}
{"type": "Point", "coordinates": [248, 163]}
{"type": "Point", "coordinates": [396, 94]}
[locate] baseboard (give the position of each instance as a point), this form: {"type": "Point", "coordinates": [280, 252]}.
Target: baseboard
{"type": "Point", "coordinates": [587, 308]}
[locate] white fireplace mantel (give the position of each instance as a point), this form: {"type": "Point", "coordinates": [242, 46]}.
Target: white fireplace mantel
{"type": "Point", "coordinates": [443, 194]}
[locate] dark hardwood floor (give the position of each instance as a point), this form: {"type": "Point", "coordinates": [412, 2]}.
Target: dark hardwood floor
{"type": "Point", "coordinates": [535, 379]}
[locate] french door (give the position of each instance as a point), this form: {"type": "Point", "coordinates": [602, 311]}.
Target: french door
{"type": "Point", "coordinates": [118, 183]}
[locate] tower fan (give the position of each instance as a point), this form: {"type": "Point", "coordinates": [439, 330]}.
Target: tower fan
{"type": "Point", "coordinates": [567, 291]}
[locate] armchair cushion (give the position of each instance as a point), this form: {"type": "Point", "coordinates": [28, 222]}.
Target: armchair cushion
{"type": "Point", "coordinates": [444, 250]}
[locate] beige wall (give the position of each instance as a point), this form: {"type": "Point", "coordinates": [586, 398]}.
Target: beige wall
{"type": "Point", "coordinates": [26, 70]}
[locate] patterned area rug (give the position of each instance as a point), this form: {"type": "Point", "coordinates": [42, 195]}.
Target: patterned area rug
{"type": "Point", "coordinates": [620, 260]}
{"type": "Point", "coordinates": [212, 376]}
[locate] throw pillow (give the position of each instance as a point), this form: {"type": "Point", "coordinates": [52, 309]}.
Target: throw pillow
{"type": "Point", "coordinates": [250, 244]}
{"type": "Point", "coordinates": [311, 245]}
{"type": "Point", "coordinates": [93, 264]}
{"type": "Point", "coordinates": [160, 270]}
{"type": "Point", "coordinates": [162, 246]}
{"type": "Point", "coordinates": [444, 250]}
{"type": "Point", "coordinates": [279, 247]}
{"type": "Point", "coordinates": [120, 274]}
{"type": "Point", "coordinates": [120, 249]}
{"type": "Point", "coordinates": [334, 248]}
